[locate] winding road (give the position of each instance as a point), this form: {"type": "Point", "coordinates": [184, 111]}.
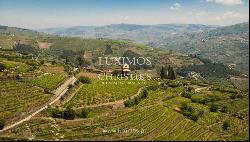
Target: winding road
{"type": "Point", "coordinates": [59, 92]}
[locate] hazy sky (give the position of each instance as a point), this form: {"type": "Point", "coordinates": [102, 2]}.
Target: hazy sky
{"type": "Point", "coordinates": [37, 14]}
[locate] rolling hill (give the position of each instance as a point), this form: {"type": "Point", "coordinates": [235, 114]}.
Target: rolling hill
{"type": "Point", "coordinates": [228, 45]}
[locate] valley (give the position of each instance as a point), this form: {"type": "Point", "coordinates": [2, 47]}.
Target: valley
{"type": "Point", "coordinates": [53, 87]}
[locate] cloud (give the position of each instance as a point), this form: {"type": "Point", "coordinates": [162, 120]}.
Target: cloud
{"type": "Point", "coordinates": [230, 16]}
{"type": "Point", "coordinates": [176, 6]}
{"type": "Point", "coordinates": [227, 2]}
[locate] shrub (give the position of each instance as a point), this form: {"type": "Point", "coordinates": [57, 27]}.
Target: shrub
{"type": "Point", "coordinates": [189, 112]}
{"type": "Point", "coordinates": [2, 67]}
{"type": "Point", "coordinates": [224, 109]}
{"type": "Point", "coordinates": [42, 62]}
{"type": "Point", "coordinates": [136, 100]}
{"type": "Point", "coordinates": [214, 107]}
{"type": "Point", "coordinates": [70, 86]}
{"type": "Point", "coordinates": [18, 77]}
{"type": "Point", "coordinates": [225, 125]}
{"type": "Point", "coordinates": [2, 123]}
{"type": "Point", "coordinates": [69, 113]}
{"type": "Point", "coordinates": [129, 103]}
{"type": "Point", "coordinates": [108, 50]}
{"type": "Point", "coordinates": [239, 115]}
{"type": "Point", "coordinates": [186, 94]}
{"type": "Point", "coordinates": [194, 117]}
{"type": "Point", "coordinates": [214, 98]}
{"type": "Point", "coordinates": [85, 80]}
{"type": "Point", "coordinates": [84, 113]}
{"type": "Point", "coordinates": [55, 113]}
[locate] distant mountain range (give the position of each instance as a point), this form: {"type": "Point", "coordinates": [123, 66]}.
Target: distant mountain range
{"type": "Point", "coordinates": [139, 33]}
{"type": "Point", "coordinates": [229, 45]}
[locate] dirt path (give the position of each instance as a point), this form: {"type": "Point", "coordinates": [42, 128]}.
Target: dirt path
{"type": "Point", "coordinates": [115, 103]}
{"type": "Point", "coordinates": [59, 92]}
{"type": "Point", "coordinates": [200, 89]}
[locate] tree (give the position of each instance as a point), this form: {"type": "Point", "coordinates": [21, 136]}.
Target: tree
{"type": "Point", "coordinates": [171, 73]}
{"type": "Point", "coordinates": [108, 50]}
{"type": "Point", "coordinates": [163, 73]}
{"type": "Point", "coordinates": [69, 113]}
{"type": "Point", "coordinates": [82, 62]}
{"type": "Point", "coordinates": [2, 123]}
{"type": "Point", "coordinates": [2, 67]}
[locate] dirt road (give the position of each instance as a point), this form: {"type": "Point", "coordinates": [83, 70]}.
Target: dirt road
{"type": "Point", "coordinates": [59, 92]}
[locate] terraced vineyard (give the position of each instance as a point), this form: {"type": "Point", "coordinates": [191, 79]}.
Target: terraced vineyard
{"type": "Point", "coordinates": [105, 91]}
{"type": "Point", "coordinates": [49, 81]}
{"type": "Point", "coordinates": [236, 116]}
{"type": "Point", "coordinates": [17, 67]}
{"type": "Point", "coordinates": [149, 123]}
{"type": "Point", "coordinates": [17, 97]}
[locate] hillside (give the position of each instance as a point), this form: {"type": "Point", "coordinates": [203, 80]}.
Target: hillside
{"type": "Point", "coordinates": [138, 33]}
{"type": "Point", "coordinates": [79, 52]}
{"type": "Point", "coordinates": [14, 31]}
{"type": "Point", "coordinates": [228, 45]}
{"type": "Point", "coordinates": [32, 70]}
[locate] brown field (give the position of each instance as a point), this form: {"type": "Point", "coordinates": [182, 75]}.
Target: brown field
{"type": "Point", "coordinates": [44, 45]}
{"type": "Point", "coordinates": [53, 69]}
{"type": "Point", "coordinates": [88, 74]}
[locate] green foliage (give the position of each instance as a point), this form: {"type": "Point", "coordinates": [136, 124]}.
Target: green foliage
{"type": "Point", "coordinates": [55, 112]}
{"type": "Point", "coordinates": [137, 99]}
{"type": "Point", "coordinates": [171, 73]}
{"type": "Point", "coordinates": [143, 95]}
{"type": "Point", "coordinates": [84, 80]}
{"type": "Point", "coordinates": [163, 73]}
{"type": "Point", "coordinates": [103, 91]}
{"type": "Point", "coordinates": [190, 112]}
{"type": "Point", "coordinates": [225, 125]}
{"type": "Point", "coordinates": [168, 73]}
{"type": "Point", "coordinates": [19, 96]}
{"type": "Point", "coordinates": [208, 70]}
{"type": "Point", "coordinates": [84, 113]}
{"type": "Point", "coordinates": [82, 62]}
{"type": "Point", "coordinates": [49, 81]}
{"type": "Point", "coordinates": [69, 113]}
{"type": "Point", "coordinates": [2, 66]}
{"type": "Point", "coordinates": [224, 109]}
{"type": "Point", "coordinates": [129, 103]}
{"type": "Point", "coordinates": [214, 107]}
{"type": "Point", "coordinates": [108, 50]}
{"type": "Point", "coordinates": [23, 48]}
{"type": "Point", "coordinates": [204, 99]}
{"type": "Point", "coordinates": [186, 94]}
{"type": "Point", "coordinates": [2, 122]}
